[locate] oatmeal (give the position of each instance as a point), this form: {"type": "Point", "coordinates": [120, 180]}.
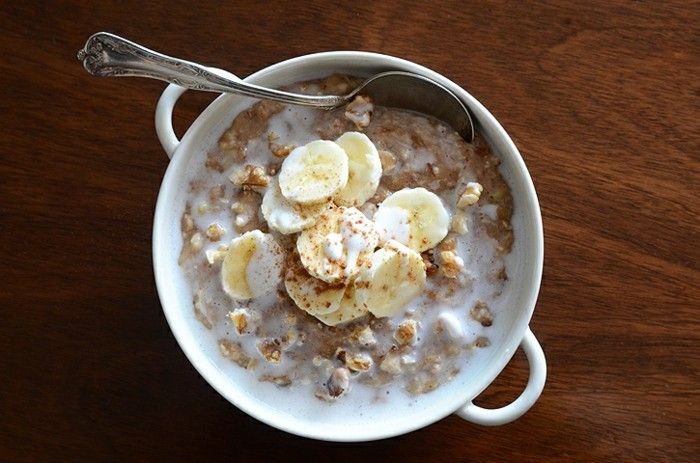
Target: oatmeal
{"type": "Point", "coordinates": [356, 249]}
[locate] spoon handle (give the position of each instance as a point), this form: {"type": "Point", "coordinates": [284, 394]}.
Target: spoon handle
{"type": "Point", "coordinates": [107, 54]}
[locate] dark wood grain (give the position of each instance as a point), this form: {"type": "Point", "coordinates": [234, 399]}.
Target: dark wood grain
{"type": "Point", "coordinates": [603, 101]}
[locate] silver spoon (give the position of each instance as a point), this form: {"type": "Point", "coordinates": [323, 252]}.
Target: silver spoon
{"type": "Point", "coordinates": [107, 54]}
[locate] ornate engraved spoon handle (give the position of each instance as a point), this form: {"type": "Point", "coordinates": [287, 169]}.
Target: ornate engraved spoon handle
{"type": "Point", "coordinates": [107, 54]}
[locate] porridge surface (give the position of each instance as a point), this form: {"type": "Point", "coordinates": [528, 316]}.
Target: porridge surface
{"type": "Point", "coordinates": [415, 350]}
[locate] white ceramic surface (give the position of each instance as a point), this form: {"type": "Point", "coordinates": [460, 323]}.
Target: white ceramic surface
{"type": "Point", "coordinates": [345, 421]}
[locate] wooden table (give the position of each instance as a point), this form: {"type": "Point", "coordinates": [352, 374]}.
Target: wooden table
{"type": "Point", "coordinates": [602, 101]}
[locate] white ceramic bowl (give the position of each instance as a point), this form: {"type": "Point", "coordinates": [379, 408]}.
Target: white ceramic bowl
{"type": "Point", "coordinates": [345, 421]}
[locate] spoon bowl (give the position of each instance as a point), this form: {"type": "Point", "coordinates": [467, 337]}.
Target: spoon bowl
{"type": "Point", "coordinates": [107, 54]}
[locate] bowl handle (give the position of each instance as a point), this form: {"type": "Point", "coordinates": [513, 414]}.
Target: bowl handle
{"type": "Point", "coordinates": [164, 118]}
{"type": "Point", "coordinates": [164, 113]}
{"type": "Point", "coordinates": [514, 410]}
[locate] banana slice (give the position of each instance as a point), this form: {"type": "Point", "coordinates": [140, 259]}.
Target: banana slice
{"type": "Point", "coordinates": [394, 278]}
{"type": "Point", "coordinates": [311, 294]}
{"type": "Point", "coordinates": [364, 169]}
{"type": "Point", "coordinates": [314, 173]}
{"type": "Point", "coordinates": [414, 217]}
{"type": "Point", "coordinates": [287, 217]}
{"type": "Point", "coordinates": [349, 310]}
{"type": "Point", "coordinates": [252, 266]}
{"type": "Point", "coordinates": [338, 244]}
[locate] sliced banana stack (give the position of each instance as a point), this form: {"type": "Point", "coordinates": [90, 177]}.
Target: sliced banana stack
{"type": "Point", "coordinates": [252, 266]}
{"type": "Point", "coordinates": [364, 169]}
{"type": "Point", "coordinates": [285, 216]}
{"type": "Point", "coordinates": [314, 173]}
{"type": "Point", "coordinates": [339, 274]}
{"type": "Point", "coordinates": [415, 217]}
{"type": "Point", "coordinates": [395, 276]}
{"type": "Point", "coordinates": [338, 244]}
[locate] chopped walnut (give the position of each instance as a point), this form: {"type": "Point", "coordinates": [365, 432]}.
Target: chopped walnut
{"type": "Point", "coordinates": [338, 382]}
{"type": "Point", "coordinates": [481, 313]}
{"type": "Point", "coordinates": [387, 159]}
{"type": "Point", "coordinates": [239, 317]}
{"type": "Point", "coordinates": [448, 244]}
{"type": "Point", "coordinates": [406, 332]}
{"type": "Point", "coordinates": [215, 232]}
{"type": "Point", "coordinates": [278, 380]}
{"type": "Point", "coordinates": [359, 111]}
{"type": "Point", "coordinates": [270, 350]}
{"type": "Point", "coordinates": [428, 262]}
{"type": "Point", "coordinates": [234, 351]}
{"type": "Point", "coordinates": [281, 151]}
{"type": "Point", "coordinates": [482, 341]}
{"type": "Point", "coordinates": [359, 362]}
{"type": "Point", "coordinates": [451, 264]}
{"type": "Point", "coordinates": [273, 169]}
{"type": "Point", "coordinates": [459, 223]}
{"type": "Point", "coordinates": [250, 177]}
{"type": "Point", "coordinates": [356, 362]}
{"type": "Point", "coordinates": [471, 195]}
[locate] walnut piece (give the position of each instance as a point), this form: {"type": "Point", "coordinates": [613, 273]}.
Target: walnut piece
{"type": "Point", "coordinates": [448, 244]}
{"type": "Point", "coordinates": [234, 351]}
{"type": "Point", "coordinates": [250, 177]}
{"type": "Point", "coordinates": [430, 267]}
{"type": "Point", "coordinates": [359, 362]}
{"type": "Point", "coordinates": [280, 380]}
{"type": "Point", "coordinates": [281, 151]}
{"type": "Point", "coordinates": [270, 350]}
{"type": "Point", "coordinates": [215, 232]}
{"type": "Point", "coordinates": [470, 195]}
{"type": "Point", "coordinates": [452, 264]}
{"type": "Point", "coordinates": [406, 332]}
{"type": "Point", "coordinates": [239, 318]}
{"type": "Point", "coordinates": [481, 313]}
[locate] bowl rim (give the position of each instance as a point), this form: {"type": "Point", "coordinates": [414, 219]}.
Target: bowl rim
{"type": "Point", "coordinates": [217, 379]}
